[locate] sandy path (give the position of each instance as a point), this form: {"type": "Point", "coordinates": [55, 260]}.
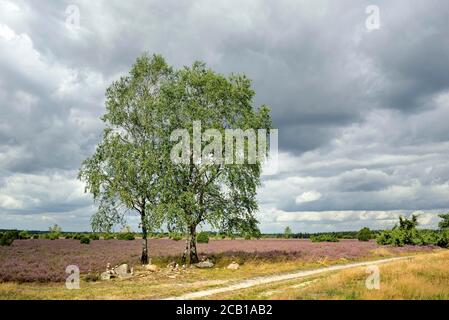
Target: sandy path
{"type": "Point", "coordinates": [270, 279]}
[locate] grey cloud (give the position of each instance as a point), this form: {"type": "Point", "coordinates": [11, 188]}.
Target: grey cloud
{"type": "Point", "coordinates": [362, 116]}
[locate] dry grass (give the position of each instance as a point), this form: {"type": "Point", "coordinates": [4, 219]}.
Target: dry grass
{"type": "Point", "coordinates": [423, 277]}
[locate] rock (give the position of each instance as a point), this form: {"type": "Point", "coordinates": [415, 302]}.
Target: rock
{"type": "Point", "coordinates": [105, 276]}
{"type": "Point", "coordinates": [204, 265]}
{"type": "Point", "coordinates": [123, 271]}
{"type": "Point", "coordinates": [151, 267]}
{"type": "Point", "coordinates": [233, 266]}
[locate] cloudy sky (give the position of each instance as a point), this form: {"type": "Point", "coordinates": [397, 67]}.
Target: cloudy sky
{"type": "Point", "coordinates": [362, 109]}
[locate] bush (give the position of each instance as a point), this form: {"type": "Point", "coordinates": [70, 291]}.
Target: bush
{"type": "Point", "coordinates": [108, 236]}
{"type": "Point", "coordinates": [202, 237]}
{"type": "Point", "coordinates": [175, 236]}
{"type": "Point", "coordinates": [24, 235]}
{"type": "Point", "coordinates": [35, 236]}
{"type": "Point", "coordinates": [125, 236]}
{"type": "Point", "coordinates": [443, 239]}
{"type": "Point", "coordinates": [52, 236]}
{"type": "Point", "coordinates": [324, 238]}
{"type": "Point", "coordinates": [84, 240]}
{"type": "Point", "coordinates": [8, 237]}
{"type": "Point", "coordinates": [364, 234]}
{"type": "Point", "coordinates": [5, 240]}
{"type": "Point", "coordinates": [94, 236]}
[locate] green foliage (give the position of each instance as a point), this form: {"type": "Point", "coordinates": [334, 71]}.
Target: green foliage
{"type": "Point", "coordinates": [406, 233]}
{"type": "Point", "coordinates": [287, 233]}
{"type": "Point", "coordinates": [364, 234]}
{"type": "Point", "coordinates": [24, 235]}
{"type": "Point", "coordinates": [108, 236]}
{"type": "Point", "coordinates": [125, 236]}
{"type": "Point", "coordinates": [443, 239]}
{"type": "Point", "coordinates": [7, 238]}
{"type": "Point", "coordinates": [324, 238]}
{"type": "Point", "coordinates": [445, 223]}
{"type": "Point", "coordinates": [79, 236]}
{"type": "Point", "coordinates": [84, 240]}
{"type": "Point", "coordinates": [175, 236]}
{"type": "Point", "coordinates": [35, 236]}
{"type": "Point", "coordinates": [202, 237]}
{"type": "Point", "coordinates": [94, 236]}
{"type": "Point", "coordinates": [55, 229]}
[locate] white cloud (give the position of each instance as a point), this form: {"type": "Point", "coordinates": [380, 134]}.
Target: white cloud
{"type": "Point", "coordinates": [308, 196]}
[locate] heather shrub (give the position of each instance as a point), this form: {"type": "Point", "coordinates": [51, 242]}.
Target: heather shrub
{"type": "Point", "coordinates": [125, 236]}
{"type": "Point", "coordinates": [202, 237]}
{"type": "Point", "coordinates": [84, 240]}
{"type": "Point", "coordinates": [364, 234]}
{"type": "Point", "coordinates": [324, 238]}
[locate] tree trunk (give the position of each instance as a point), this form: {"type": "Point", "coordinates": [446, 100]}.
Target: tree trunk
{"type": "Point", "coordinates": [186, 252]}
{"type": "Point", "coordinates": [193, 253]}
{"type": "Point", "coordinates": [144, 258]}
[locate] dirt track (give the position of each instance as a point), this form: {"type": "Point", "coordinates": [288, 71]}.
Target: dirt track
{"type": "Point", "coordinates": [270, 279]}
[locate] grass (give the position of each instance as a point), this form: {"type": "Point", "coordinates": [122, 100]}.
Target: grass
{"type": "Point", "coordinates": [145, 285]}
{"type": "Point", "coordinates": [423, 277]}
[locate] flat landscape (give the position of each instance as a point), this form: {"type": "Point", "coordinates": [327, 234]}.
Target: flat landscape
{"type": "Point", "coordinates": [46, 260]}
{"type": "Point", "coordinates": [35, 269]}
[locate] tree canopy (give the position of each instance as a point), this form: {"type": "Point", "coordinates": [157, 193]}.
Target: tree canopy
{"type": "Point", "coordinates": [161, 153]}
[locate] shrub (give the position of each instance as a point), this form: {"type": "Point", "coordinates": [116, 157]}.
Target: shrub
{"type": "Point", "coordinates": [202, 237]}
{"type": "Point", "coordinates": [5, 240]}
{"type": "Point", "coordinates": [364, 234]}
{"type": "Point", "coordinates": [175, 236]}
{"type": "Point", "coordinates": [443, 239]}
{"type": "Point", "coordinates": [8, 237]}
{"type": "Point", "coordinates": [94, 236]}
{"type": "Point", "coordinates": [108, 236]}
{"type": "Point", "coordinates": [24, 235]}
{"type": "Point", "coordinates": [52, 236]}
{"type": "Point", "coordinates": [324, 238]}
{"type": "Point", "coordinates": [125, 236]}
{"type": "Point", "coordinates": [35, 236]}
{"type": "Point", "coordinates": [84, 240]}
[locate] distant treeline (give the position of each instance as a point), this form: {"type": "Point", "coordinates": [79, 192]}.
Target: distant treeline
{"type": "Point", "coordinates": [217, 235]}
